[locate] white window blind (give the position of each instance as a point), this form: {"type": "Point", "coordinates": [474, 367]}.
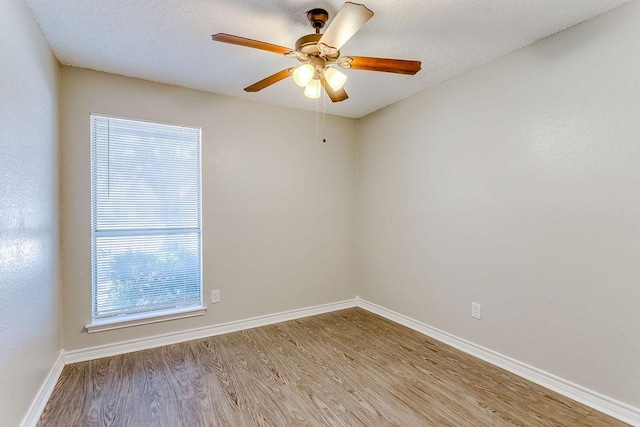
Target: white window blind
{"type": "Point", "coordinates": [146, 217]}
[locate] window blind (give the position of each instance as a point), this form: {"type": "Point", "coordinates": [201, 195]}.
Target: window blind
{"type": "Point", "coordinates": [146, 216]}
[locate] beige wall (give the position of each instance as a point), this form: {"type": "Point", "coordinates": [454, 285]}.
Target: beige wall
{"type": "Point", "coordinates": [29, 328]}
{"type": "Point", "coordinates": [279, 209]}
{"type": "Point", "coordinates": [517, 185]}
{"type": "Point", "coordinates": [514, 185]}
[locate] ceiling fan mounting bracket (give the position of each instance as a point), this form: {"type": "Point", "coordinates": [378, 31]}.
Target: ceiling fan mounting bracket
{"type": "Point", "coordinates": [317, 18]}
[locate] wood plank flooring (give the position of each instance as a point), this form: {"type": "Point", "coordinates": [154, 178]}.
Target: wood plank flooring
{"type": "Point", "coordinates": [346, 368]}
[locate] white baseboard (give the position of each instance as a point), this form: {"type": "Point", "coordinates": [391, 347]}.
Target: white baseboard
{"type": "Point", "coordinates": [97, 352]}
{"type": "Point", "coordinates": [42, 397]}
{"type": "Point", "coordinates": [581, 394]}
{"type": "Point", "coordinates": [588, 397]}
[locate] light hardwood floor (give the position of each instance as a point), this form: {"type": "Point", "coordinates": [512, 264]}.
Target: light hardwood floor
{"type": "Point", "coordinates": [347, 368]}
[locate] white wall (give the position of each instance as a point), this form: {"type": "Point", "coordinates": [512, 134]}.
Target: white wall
{"type": "Point", "coordinates": [279, 208]}
{"type": "Point", "coordinates": [517, 185]}
{"type": "Point", "coordinates": [29, 327]}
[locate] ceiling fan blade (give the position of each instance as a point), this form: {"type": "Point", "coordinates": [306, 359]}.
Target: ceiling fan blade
{"type": "Point", "coordinates": [274, 78]}
{"type": "Point", "coordinates": [241, 41]}
{"type": "Point", "coordinates": [349, 19]}
{"type": "Point", "coordinates": [399, 66]}
{"type": "Point", "coordinates": [334, 95]}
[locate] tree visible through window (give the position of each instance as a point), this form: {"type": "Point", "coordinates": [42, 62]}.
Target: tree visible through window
{"type": "Point", "coordinates": [146, 217]}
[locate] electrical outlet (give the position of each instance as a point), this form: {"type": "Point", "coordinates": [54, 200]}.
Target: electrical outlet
{"type": "Point", "coordinates": [476, 310]}
{"type": "Point", "coordinates": [215, 296]}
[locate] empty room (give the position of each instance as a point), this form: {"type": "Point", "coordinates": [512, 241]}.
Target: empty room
{"type": "Point", "coordinates": [322, 213]}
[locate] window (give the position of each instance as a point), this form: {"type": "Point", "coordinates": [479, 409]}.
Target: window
{"type": "Point", "coordinates": [146, 219]}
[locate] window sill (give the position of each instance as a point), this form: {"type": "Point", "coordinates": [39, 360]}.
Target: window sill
{"type": "Point", "coordinates": [100, 325]}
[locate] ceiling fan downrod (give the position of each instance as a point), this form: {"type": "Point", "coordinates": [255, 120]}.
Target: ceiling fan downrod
{"type": "Point", "coordinates": [317, 18]}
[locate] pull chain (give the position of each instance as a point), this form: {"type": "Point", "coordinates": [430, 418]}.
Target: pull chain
{"type": "Point", "coordinates": [324, 116]}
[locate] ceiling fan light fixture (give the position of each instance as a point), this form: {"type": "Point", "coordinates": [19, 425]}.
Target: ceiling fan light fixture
{"type": "Point", "coordinates": [303, 74]}
{"type": "Point", "coordinates": [313, 90]}
{"type": "Point", "coordinates": [335, 78]}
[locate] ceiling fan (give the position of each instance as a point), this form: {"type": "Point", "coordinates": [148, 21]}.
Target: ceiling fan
{"type": "Point", "coordinates": [318, 52]}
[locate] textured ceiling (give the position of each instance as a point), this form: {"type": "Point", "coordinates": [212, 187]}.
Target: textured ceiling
{"type": "Point", "coordinates": [169, 41]}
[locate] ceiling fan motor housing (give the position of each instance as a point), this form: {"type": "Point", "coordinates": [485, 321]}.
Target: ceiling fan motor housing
{"type": "Point", "coordinates": [309, 44]}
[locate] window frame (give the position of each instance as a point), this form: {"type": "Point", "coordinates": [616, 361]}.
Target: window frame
{"type": "Point", "coordinates": [99, 324]}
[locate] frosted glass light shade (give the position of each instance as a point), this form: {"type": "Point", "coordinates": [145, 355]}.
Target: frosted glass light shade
{"type": "Point", "coordinates": [303, 74]}
{"type": "Point", "coordinates": [335, 78]}
{"type": "Point", "coordinates": [313, 89]}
